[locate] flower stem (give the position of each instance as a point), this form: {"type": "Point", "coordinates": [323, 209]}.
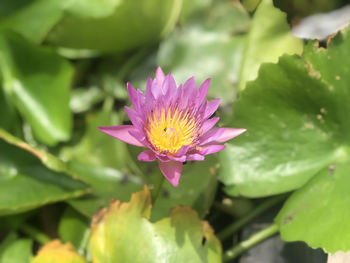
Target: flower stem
{"type": "Point", "coordinates": [157, 186]}
{"type": "Point", "coordinates": [236, 225]}
{"type": "Point", "coordinates": [250, 242]}
{"type": "Point", "coordinates": [34, 233]}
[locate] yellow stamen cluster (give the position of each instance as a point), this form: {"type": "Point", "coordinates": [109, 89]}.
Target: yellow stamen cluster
{"type": "Point", "coordinates": [170, 129]}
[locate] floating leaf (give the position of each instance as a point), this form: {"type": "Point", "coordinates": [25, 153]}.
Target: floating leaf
{"type": "Point", "coordinates": [297, 119]}
{"type": "Point", "coordinates": [317, 213]}
{"type": "Point", "coordinates": [181, 237]}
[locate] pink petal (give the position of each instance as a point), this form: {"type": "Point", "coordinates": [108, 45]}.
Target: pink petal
{"type": "Point", "coordinates": [159, 77]}
{"type": "Point", "coordinates": [147, 156]}
{"type": "Point", "coordinates": [148, 92]}
{"type": "Point", "coordinates": [171, 170]}
{"type": "Point", "coordinates": [121, 132]}
{"type": "Point", "coordinates": [203, 90]}
{"type": "Point", "coordinates": [208, 124]}
{"type": "Point", "coordinates": [212, 106]}
{"type": "Point", "coordinates": [219, 135]}
{"type": "Point", "coordinates": [228, 134]}
{"type": "Point", "coordinates": [209, 149]}
{"type": "Point", "coordinates": [134, 117]}
{"type": "Point", "coordinates": [195, 157]}
{"type": "Point", "coordinates": [133, 95]}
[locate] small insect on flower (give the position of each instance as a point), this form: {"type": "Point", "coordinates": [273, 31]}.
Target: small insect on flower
{"type": "Point", "coordinates": [173, 123]}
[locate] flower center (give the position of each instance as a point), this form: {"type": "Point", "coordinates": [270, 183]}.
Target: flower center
{"type": "Point", "coordinates": [170, 129]}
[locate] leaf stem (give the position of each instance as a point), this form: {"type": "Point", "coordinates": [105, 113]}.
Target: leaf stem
{"type": "Point", "coordinates": [34, 233]}
{"type": "Point", "coordinates": [250, 242]}
{"type": "Point", "coordinates": [236, 225]}
{"type": "Point", "coordinates": [157, 186]}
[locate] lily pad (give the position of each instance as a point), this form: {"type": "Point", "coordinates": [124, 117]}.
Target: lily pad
{"type": "Point", "coordinates": [296, 115]}
{"type": "Point", "coordinates": [181, 237]}
{"type": "Point", "coordinates": [317, 213]}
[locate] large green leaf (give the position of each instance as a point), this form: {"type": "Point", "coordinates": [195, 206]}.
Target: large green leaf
{"type": "Point", "coordinates": [209, 45]}
{"type": "Point", "coordinates": [319, 213]}
{"type": "Point", "coordinates": [268, 38]}
{"type": "Point", "coordinates": [132, 24]}
{"type": "Point", "coordinates": [27, 184]}
{"type": "Point", "coordinates": [296, 115]}
{"type": "Point", "coordinates": [181, 237]}
{"type": "Point", "coordinates": [38, 82]}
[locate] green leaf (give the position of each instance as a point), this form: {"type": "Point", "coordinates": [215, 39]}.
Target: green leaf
{"type": "Point", "coordinates": [38, 82]}
{"type": "Point", "coordinates": [34, 20]}
{"type": "Point", "coordinates": [296, 116]}
{"type": "Point", "coordinates": [74, 228]}
{"type": "Point", "coordinates": [269, 37]}
{"type": "Point", "coordinates": [209, 45]}
{"type": "Point", "coordinates": [181, 237]}
{"type": "Point", "coordinates": [27, 184]}
{"type": "Point", "coordinates": [318, 212]}
{"type": "Point", "coordinates": [56, 252]}
{"type": "Point", "coordinates": [142, 23]}
{"type": "Point", "coordinates": [197, 189]}
{"type": "Point", "coordinates": [16, 250]}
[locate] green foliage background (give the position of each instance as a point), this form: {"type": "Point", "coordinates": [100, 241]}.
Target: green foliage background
{"type": "Point", "coordinates": [63, 69]}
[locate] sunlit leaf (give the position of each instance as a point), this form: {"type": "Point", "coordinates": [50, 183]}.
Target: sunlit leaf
{"type": "Point", "coordinates": [181, 237]}
{"type": "Point", "coordinates": [56, 252]}
{"type": "Point", "coordinates": [268, 38]}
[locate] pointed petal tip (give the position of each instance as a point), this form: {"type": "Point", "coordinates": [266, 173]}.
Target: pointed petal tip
{"type": "Point", "coordinates": [171, 171]}
{"type": "Point", "coordinates": [121, 132]}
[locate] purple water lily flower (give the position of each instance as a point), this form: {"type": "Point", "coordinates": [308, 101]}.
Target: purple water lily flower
{"type": "Point", "coordinates": [173, 123]}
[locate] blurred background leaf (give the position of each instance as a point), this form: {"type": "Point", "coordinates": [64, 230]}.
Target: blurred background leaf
{"type": "Point", "coordinates": [268, 38]}
{"type": "Point", "coordinates": [38, 83]}
{"type": "Point", "coordinates": [209, 45]}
